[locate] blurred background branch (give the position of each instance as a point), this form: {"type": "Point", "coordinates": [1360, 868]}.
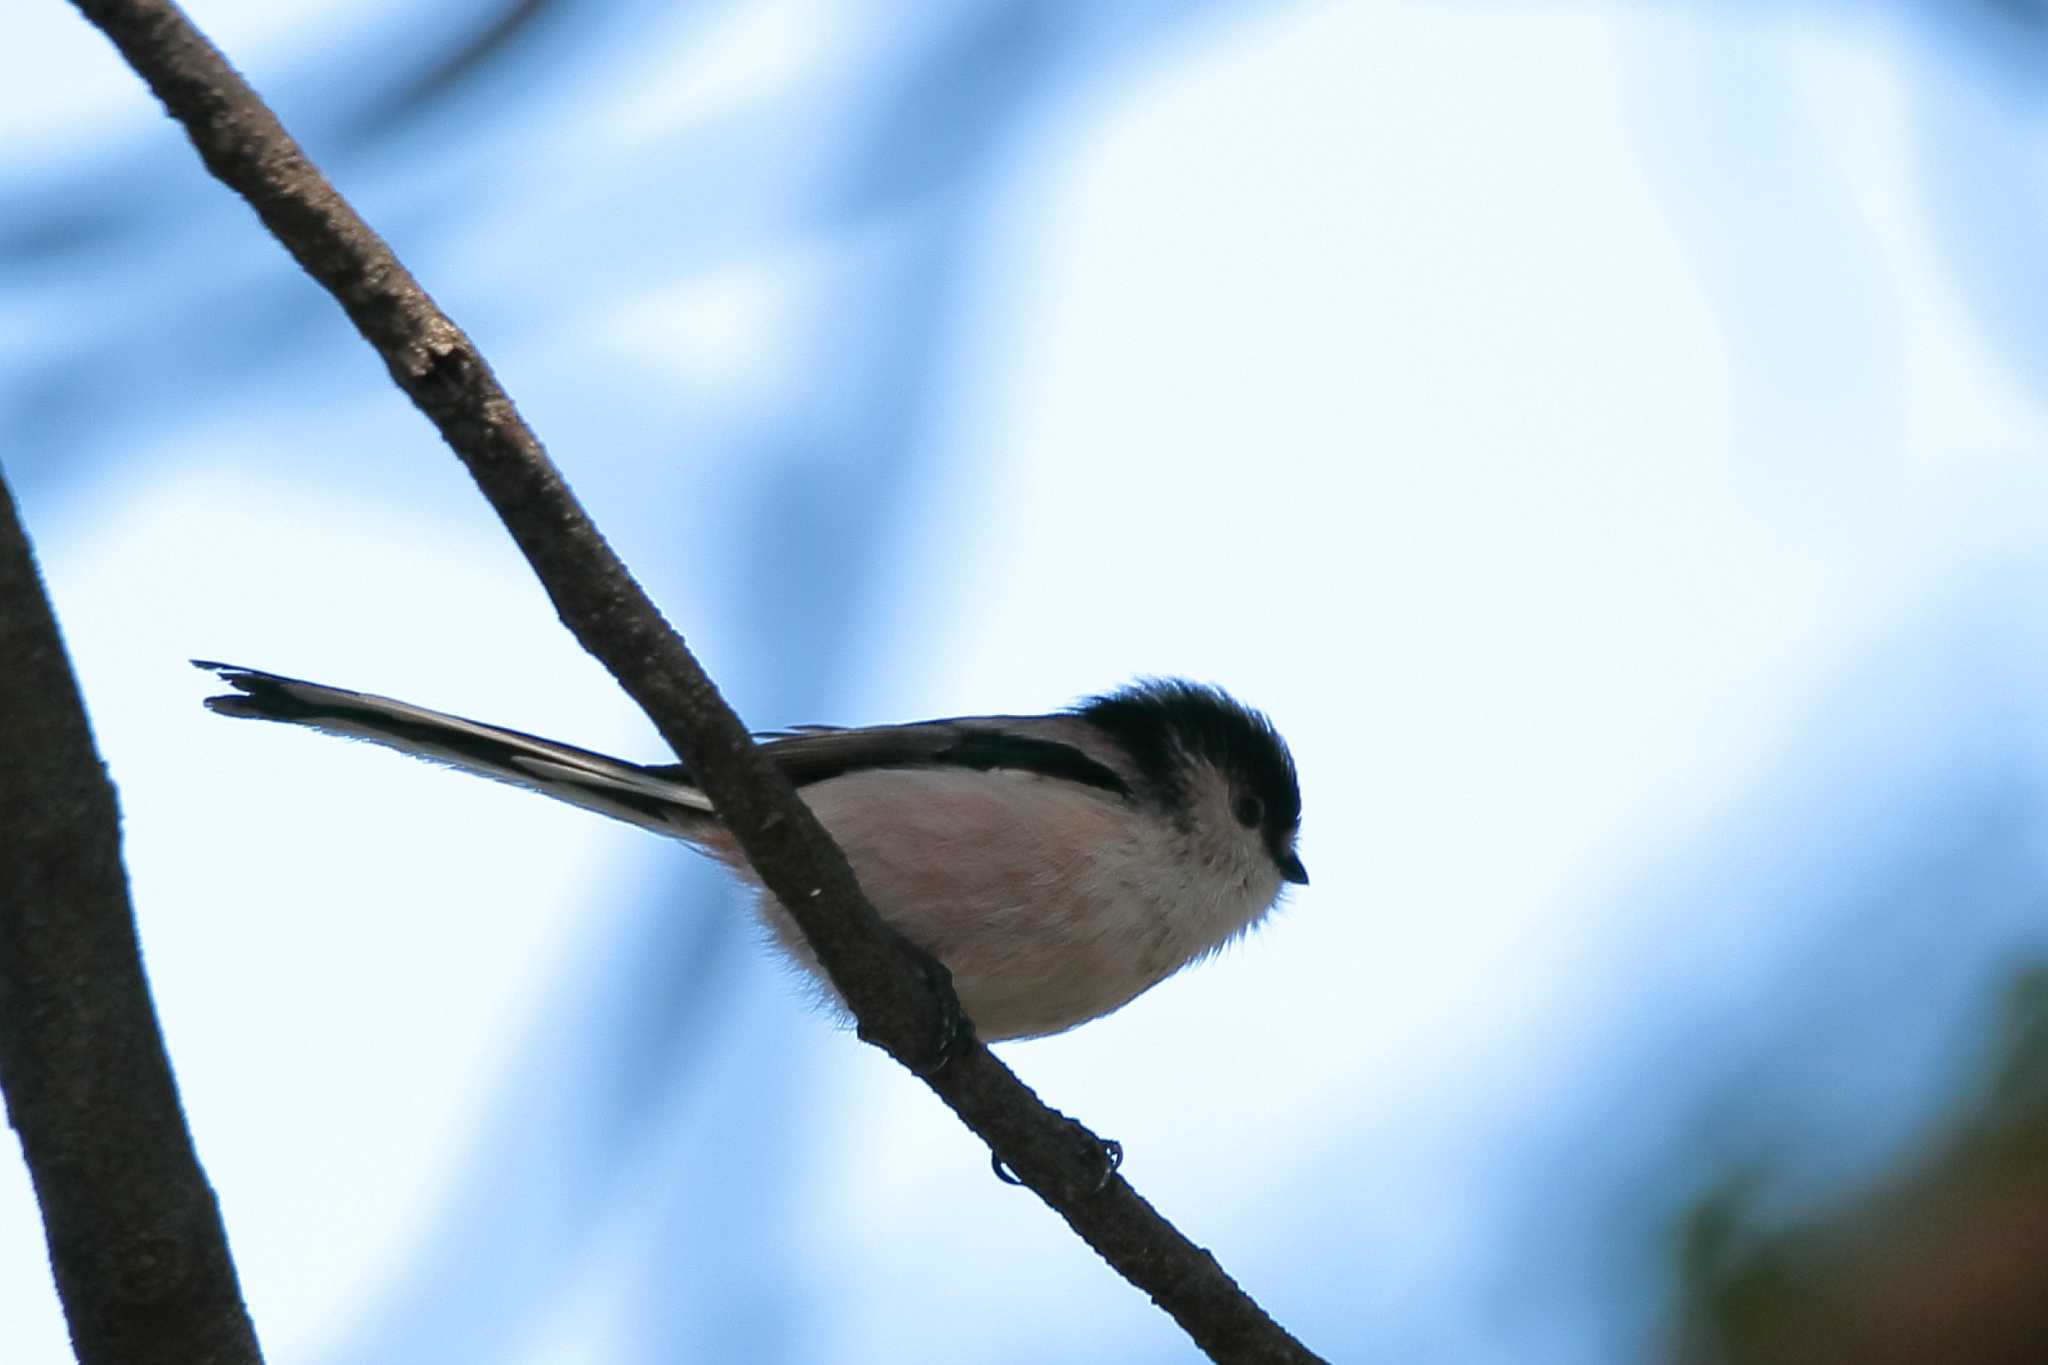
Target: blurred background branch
{"type": "Point", "coordinates": [135, 1238]}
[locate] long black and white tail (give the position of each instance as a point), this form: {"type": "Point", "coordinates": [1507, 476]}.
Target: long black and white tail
{"type": "Point", "coordinates": [653, 798]}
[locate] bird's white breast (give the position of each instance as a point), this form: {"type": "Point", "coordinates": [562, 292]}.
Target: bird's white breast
{"type": "Point", "coordinates": [1051, 902]}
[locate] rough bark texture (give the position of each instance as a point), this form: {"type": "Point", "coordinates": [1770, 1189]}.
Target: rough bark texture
{"type": "Point", "coordinates": [136, 1243]}
{"type": "Point", "coordinates": [899, 995]}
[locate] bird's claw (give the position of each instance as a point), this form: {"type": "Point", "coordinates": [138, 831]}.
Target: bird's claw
{"type": "Point", "coordinates": [1111, 1150]}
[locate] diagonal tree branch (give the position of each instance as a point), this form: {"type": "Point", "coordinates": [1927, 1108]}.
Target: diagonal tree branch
{"type": "Point", "coordinates": [136, 1243]}
{"type": "Point", "coordinates": [898, 995]}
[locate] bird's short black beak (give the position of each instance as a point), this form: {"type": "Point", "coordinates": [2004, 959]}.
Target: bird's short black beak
{"type": "Point", "coordinates": [1292, 870]}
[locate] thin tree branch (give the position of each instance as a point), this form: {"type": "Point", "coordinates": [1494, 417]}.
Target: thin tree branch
{"type": "Point", "coordinates": [899, 995]}
{"type": "Point", "coordinates": [136, 1243]}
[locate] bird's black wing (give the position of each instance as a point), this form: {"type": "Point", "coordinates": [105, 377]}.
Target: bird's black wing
{"type": "Point", "coordinates": [819, 753]}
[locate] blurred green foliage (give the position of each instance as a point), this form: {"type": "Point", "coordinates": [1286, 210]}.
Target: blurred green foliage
{"type": "Point", "coordinates": [1944, 1260]}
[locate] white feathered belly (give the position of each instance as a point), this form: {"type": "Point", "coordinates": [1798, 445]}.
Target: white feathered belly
{"type": "Point", "coordinates": [1045, 899]}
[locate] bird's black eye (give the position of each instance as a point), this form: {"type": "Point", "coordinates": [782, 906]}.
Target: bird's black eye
{"type": "Point", "coordinates": [1250, 811]}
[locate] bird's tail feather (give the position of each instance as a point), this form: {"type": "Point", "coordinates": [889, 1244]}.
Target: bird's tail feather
{"type": "Point", "coordinates": [653, 799]}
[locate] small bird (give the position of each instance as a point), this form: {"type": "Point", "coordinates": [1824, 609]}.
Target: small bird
{"type": "Point", "coordinates": [1059, 865]}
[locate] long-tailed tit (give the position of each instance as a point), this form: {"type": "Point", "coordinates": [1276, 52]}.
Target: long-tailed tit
{"type": "Point", "coordinates": [1059, 865]}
